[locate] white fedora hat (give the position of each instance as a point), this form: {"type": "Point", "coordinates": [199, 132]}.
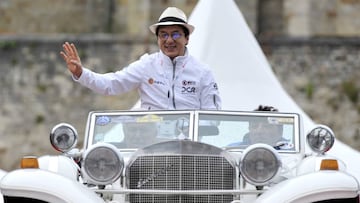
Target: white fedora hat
{"type": "Point", "coordinates": [172, 16]}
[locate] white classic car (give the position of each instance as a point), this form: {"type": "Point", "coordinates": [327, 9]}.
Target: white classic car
{"type": "Point", "coordinates": [185, 156]}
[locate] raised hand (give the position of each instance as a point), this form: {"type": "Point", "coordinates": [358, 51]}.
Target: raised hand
{"type": "Point", "coordinates": [72, 59]}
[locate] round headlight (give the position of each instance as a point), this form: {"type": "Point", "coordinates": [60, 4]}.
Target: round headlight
{"type": "Point", "coordinates": [260, 164]}
{"type": "Point", "coordinates": [320, 139]}
{"type": "Point", "coordinates": [63, 137]}
{"type": "Point", "coordinates": [102, 164]}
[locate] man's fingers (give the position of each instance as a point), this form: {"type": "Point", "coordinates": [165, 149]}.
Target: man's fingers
{"type": "Point", "coordinates": [70, 52]}
{"type": "Point", "coordinates": [63, 55]}
{"type": "Point", "coordinates": [68, 49]}
{"type": "Point", "coordinates": [74, 50]}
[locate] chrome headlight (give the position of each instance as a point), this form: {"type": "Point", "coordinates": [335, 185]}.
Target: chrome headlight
{"type": "Point", "coordinates": [260, 163]}
{"type": "Point", "coordinates": [102, 164]}
{"type": "Point", "coordinates": [320, 139]}
{"type": "Point", "coordinates": [63, 137]}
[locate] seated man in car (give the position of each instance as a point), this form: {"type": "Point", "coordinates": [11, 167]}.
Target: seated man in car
{"type": "Point", "coordinates": [139, 134]}
{"type": "Point", "coordinates": [263, 131]}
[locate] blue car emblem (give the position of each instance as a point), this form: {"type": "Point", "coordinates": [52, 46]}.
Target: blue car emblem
{"type": "Point", "coordinates": [103, 120]}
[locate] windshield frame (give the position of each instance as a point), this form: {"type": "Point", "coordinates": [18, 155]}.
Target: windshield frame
{"type": "Point", "coordinates": [92, 117]}
{"type": "Point", "coordinates": [296, 121]}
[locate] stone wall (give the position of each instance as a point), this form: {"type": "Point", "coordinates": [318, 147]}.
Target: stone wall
{"type": "Point", "coordinates": [294, 18]}
{"type": "Point", "coordinates": [321, 74]}
{"type": "Point", "coordinates": [130, 17]}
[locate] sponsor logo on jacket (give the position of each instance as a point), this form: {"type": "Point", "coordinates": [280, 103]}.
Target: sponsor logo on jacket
{"type": "Point", "coordinates": [188, 86]}
{"type": "Point", "coordinates": [152, 81]}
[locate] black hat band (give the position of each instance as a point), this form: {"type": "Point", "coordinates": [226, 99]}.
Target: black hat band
{"type": "Point", "coordinates": [171, 19]}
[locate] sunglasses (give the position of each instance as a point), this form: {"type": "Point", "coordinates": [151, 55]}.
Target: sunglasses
{"type": "Point", "coordinates": [165, 36]}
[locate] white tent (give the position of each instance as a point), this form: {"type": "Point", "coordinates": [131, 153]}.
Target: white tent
{"type": "Point", "coordinates": [223, 40]}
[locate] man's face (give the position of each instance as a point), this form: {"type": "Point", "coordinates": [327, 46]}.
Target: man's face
{"type": "Point", "coordinates": [265, 133]}
{"type": "Point", "coordinates": [172, 41]}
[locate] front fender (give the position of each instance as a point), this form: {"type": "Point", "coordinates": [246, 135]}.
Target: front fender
{"type": "Point", "coordinates": [60, 164]}
{"type": "Point", "coordinates": [321, 185]}
{"type": "Point", "coordinates": [46, 186]}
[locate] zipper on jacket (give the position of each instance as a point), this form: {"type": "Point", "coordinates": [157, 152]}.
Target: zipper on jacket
{"type": "Point", "coordinates": [173, 85]}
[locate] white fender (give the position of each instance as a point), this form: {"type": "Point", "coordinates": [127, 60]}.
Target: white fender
{"type": "Point", "coordinates": [47, 186]}
{"type": "Point", "coordinates": [312, 187]}
{"type": "Point", "coordinates": [312, 163]}
{"type": "Point", "coordinates": [61, 165]}
{"type": "Point", "coordinates": [2, 173]}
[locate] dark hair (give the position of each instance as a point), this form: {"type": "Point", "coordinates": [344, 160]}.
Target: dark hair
{"type": "Point", "coordinates": [265, 108]}
{"type": "Point", "coordinates": [186, 31]}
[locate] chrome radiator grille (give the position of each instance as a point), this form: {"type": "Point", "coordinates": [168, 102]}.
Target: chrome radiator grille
{"type": "Point", "coordinates": [181, 172]}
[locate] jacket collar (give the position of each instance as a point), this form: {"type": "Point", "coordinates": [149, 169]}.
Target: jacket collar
{"type": "Point", "coordinates": [179, 60]}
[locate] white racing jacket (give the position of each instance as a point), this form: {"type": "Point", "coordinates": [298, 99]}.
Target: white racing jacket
{"type": "Point", "coordinates": [183, 83]}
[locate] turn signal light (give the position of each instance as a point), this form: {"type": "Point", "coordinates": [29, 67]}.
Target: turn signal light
{"type": "Point", "coordinates": [29, 162]}
{"type": "Point", "coordinates": [329, 164]}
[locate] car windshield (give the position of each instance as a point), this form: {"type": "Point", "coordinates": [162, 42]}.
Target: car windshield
{"type": "Point", "coordinates": [237, 130]}
{"type": "Point", "coordinates": [232, 130]}
{"type": "Point", "coordinates": [132, 130]}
